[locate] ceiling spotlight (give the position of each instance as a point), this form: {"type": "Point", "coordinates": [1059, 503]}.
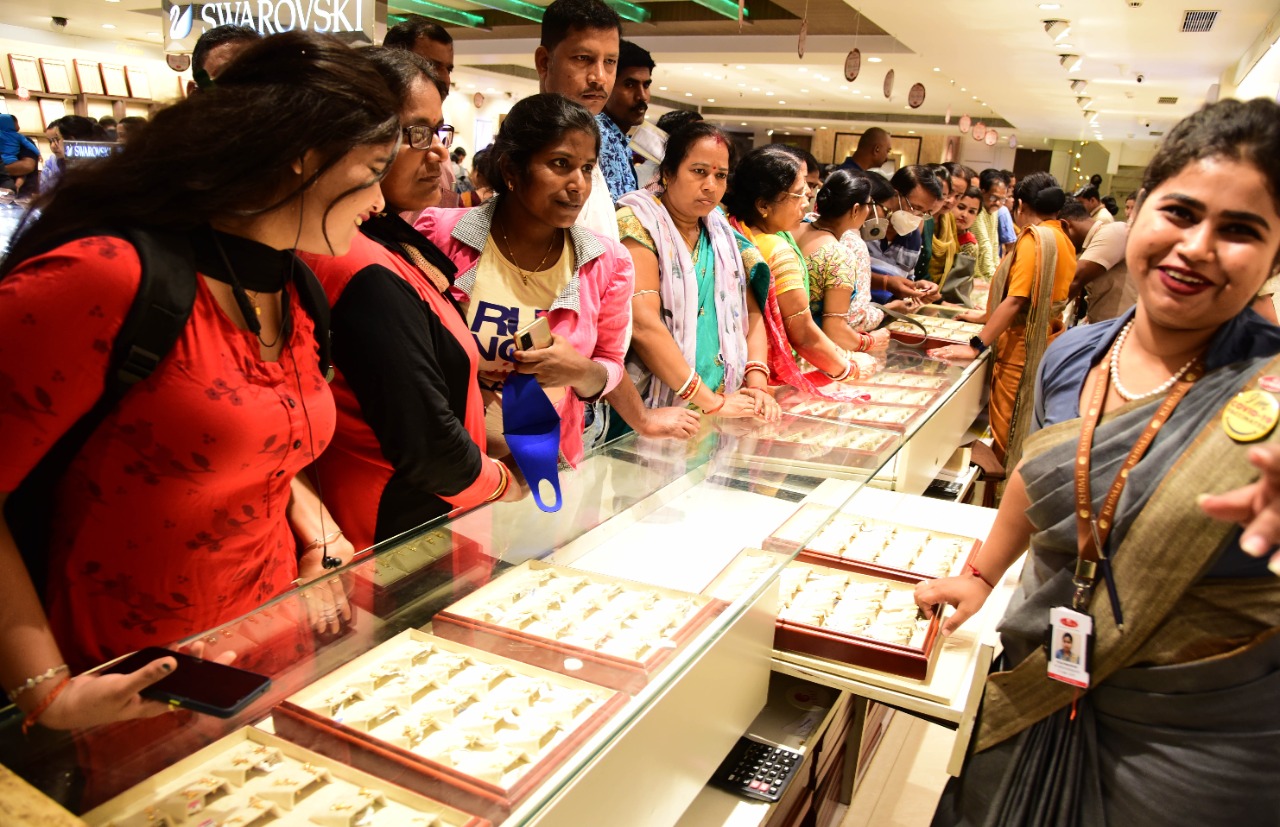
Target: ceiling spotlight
{"type": "Point", "coordinates": [1057, 29]}
{"type": "Point", "coordinates": [1071, 62]}
{"type": "Point", "coordinates": [1078, 86]}
{"type": "Point", "coordinates": [1050, 6]}
{"type": "Point", "coordinates": [1084, 102]}
{"type": "Point", "coordinates": [874, 59]}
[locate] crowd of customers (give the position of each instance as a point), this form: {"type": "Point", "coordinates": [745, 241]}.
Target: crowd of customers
{"type": "Point", "coordinates": [352, 294]}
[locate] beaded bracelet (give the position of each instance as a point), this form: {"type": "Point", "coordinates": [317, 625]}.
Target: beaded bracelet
{"type": "Point", "coordinates": [32, 683]}
{"type": "Point", "coordinates": [33, 717]}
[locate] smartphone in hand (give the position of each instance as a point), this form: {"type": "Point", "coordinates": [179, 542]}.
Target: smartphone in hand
{"type": "Point", "coordinates": [535, 335]}
{"type": "Point", "coordinates": [197, 684]}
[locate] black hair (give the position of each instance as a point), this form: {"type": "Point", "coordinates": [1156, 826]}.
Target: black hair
{"type": "Point", "coordinates": [80, 128]}
{"type": "Point", "coordinates": [565, 16]}
{"type": "Point", "coordinates": [676, 118]}
{"type": "Point", "coordinates": [958, 170]}
{"type": "Point", "coordinates": [683, 139]}
{"type": "Point", "coordinates": [1041, 193]}
{"type": "Point", "coordinates": [1066, 637]}
{"type": "Point", "coordinates": [1095, 179]}
{"type": "Point", "coordinates": [905, 180]}
{"type": "Point", "coordinates": [1245, 131]}
{"type": "Point", "coordinates": [482, 165]}
{"type": "Point", "coordinates": [404, 35]}
{"type": "Point", "coordinates": [289, 94]}
{"type": "Point", "coordinates": [843, 190]}
{"type": "Point", "coordinates": [1109, 201]}
{"type": "Point", "coordinates": [1089, 192]}
{"type": "Point", "coordinates": [631, 56]}
{"type": "Point", "coordinates": [400, 69]}
{"type": "Point", "coordinates": [941, 174]}
{"type": "Point", "coordinates": [133, 121]}
{"type": "Point", "coordinates": [216, 37]}
{"type": "Point", "coordinates": [989, 178]}
{"type": "Point", "coordinates": [972, 192]}
{"type": "Point", "coordinates": [533, 124]}
{"type": "Point", "coordinates": [458, 152]}
{"type": "Point", "coordinates": [881, 189]}
{"type": "Point", "coordinates": [106, 120]}
{"type": "Point", "coordinates": [763, 174]}
{"type": "Point", "coordinates": [811, 163]}
{"type": "Point", "coordinates": [1073, 210]}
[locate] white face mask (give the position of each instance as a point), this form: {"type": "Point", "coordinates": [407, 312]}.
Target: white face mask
{"type": "Point", "coordinates": [875, 227]}
{"type": "Point", "coordinates": [903, 221]}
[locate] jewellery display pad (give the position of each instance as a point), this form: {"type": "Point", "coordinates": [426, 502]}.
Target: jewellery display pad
{"type": "Point", "coordinates": [838, 612]}
{"type": "Point", "coordinates": [251, 777]}
{"type": "Point", "coordinates": [941, 331]}
{"type": "Point", "coordinates": [600, 629]}
{"type": "Point", "coordinates": [888, 416]}
{"type": "Point", "coordinates": [809, 443]}
{"type": "Point", "coordinates": [417, 567]}
{"type": "Point", "coordinates": [469, 728]}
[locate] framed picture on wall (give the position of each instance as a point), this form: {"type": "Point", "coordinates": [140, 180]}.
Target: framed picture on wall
{"type": "Point", "coordinates": [50, 110]}
{"type": "Point", "coordinates": [139, 82]}
{"type": "Point", "coordinates": [113, 81]}
{"type": "Point", "coordinates": [26, 73]}
{"type": "Point", "coordinates": [89, 74]}
{"type": "Point", "coordinates": [57, 78]}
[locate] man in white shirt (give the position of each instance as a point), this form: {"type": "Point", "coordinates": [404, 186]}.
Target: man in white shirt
{"type": "Point", "coordinates": [578, 58]}
{"type": "Point", "coordinates": [1092, 201]}
{"type": "Point", "coordinates": [1101, 271]}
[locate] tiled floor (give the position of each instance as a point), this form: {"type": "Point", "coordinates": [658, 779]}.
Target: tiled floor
{"type": "Point", "coordinates": [906, 776]}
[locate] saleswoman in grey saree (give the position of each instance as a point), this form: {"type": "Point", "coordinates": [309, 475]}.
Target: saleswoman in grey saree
{"type": "Point", "coordinates": [1181, 721]}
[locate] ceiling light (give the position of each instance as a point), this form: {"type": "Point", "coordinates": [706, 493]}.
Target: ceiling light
{"type": "Point", "coordinates": [804, 91]}
{"type": "Point", "coordinates": [866, 97]}
{"type": "Point", "coordinates": [711, 100]}
{"type": "Point", "coordinates": [740, 67]}
{"type": "Point", "coordinates": [768, 94]}
{"type": "Point", "coordinates": [782, 103]}
{"type": "Point", "coordinates": [1071, 62]}
{"type": "Point", "coordinates": [1057, 29]}
{"type": "Point", "coordinates": [1066, 46]}
{"type": "Point", "coordinates": [911, 132]}
{"type": "Point", "coordinates": [662, 88]}
{"type": "Point", "coordinates": [1078, 86]}
{"type": "Point", "coordinates": [808, 128]}
{"type": "Point", "coordinates": [153, 34]}
{"type": "Point", "coordinates": [744, 123]}
{"type": "Point", "coordinates": [688, 94]}
{"type": "Point", "coordinates": [803, 69]}
{"type": "Point", "coordinates": [962, 89]}
{"type": "Point", "coordinates": [975, 97]}
{"type": "Point", "coordinates": [822, 127]}
{"type": "Point", "coordinates": [755, 88]}
{"type": "Point", "coordinates": [873, 60]}
{"type": "Point", "coordinates": [108, 26]}
{"type": "Point", "coordinates": [1050, 6]}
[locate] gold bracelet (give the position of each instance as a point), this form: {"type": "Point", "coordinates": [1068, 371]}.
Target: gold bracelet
{"type": "Point", "coordinates": [322, 541]}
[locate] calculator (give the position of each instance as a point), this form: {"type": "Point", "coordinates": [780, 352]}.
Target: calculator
{"type": "Point", "coordinates": [757, 770]}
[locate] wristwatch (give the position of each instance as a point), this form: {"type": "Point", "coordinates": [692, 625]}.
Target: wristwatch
{"type": "Point", "coordinates": [977, 344]}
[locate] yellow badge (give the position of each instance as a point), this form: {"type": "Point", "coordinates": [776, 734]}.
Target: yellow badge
{"type": "Point", "coordinates": [1251, 416]}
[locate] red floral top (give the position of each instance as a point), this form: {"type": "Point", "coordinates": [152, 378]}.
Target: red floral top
{"type": "Point", "coordinates": [171, 520]}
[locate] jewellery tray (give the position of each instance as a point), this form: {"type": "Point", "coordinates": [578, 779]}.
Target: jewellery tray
{"type": "Point", "coordinates": [910, 334]}
{"type": "Point", "coordinates": [855, 649]}
{"type": "Point", "coordinates": [803, 441]}
{"type": "Point", "coordinates": [402, 575]}
{"type": "Point", "coordinates": [133, 803]}
{"type": "Point", "coordinates": [459, 623]}
{"type": "Point", "coordinates": [854, 412]}
{"type": "Point", "coordinates": [803, 526]}
{"type": "Point", "coordinates": [295, 721]}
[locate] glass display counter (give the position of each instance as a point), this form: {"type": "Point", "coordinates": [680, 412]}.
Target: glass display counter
{"type": "Point", "coordinates": [511, 666]}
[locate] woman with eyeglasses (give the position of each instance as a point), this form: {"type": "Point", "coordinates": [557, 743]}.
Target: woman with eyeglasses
{"type": "Point", "coordinates": [766, 201]}
{"type": "Point", "coordinates": [840, 272]}
{"type": "Point", "coordinates": [410, 438]}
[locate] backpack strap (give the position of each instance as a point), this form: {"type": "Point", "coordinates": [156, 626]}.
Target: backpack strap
{"type": "Point", "coordinates": [151, 327]}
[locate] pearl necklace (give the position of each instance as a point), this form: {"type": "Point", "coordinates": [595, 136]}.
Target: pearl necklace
{"type": "Point", "coordinates": [1126, 395]}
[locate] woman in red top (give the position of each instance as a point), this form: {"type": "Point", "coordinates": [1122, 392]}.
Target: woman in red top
{"type": "Point", "coordinates": [410, 439]}
{"type": "Point", "coordinates": [181, 510]}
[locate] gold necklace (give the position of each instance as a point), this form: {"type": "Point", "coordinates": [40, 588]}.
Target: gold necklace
{"type": "Point", "coordinates": [524, 277]}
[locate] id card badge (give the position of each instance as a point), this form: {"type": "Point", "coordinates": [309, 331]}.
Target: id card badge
{"type": "Point", "coordinates": [1069, 634]}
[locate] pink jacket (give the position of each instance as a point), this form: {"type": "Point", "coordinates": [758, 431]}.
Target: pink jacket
{"type": "Point", "coordinates": [593, 312]}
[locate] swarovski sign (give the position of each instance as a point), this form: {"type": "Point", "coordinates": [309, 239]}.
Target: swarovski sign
{"type": "Point", "coordinates": [352, 20]}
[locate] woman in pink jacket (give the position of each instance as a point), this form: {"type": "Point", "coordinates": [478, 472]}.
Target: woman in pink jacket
{"type": "Point", "coordinates": [520, 256]}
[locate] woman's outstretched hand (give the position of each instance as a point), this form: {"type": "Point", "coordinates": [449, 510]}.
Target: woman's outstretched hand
{"type": "Point", "coordinates": [1255, 506]}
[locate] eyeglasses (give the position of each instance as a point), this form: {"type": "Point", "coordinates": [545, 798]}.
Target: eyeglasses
{"type": "Point", "coordinates": [803, 196]}
{"type": "Point", "coordinates": [420, 137]}
{"type": "Point", "coordinates": [911, 208]}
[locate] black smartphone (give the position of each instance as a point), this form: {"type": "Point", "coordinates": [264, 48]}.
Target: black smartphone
{"type": "Point", "coordinates": [197, 684]}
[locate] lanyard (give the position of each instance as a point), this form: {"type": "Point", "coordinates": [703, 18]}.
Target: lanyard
{"type": "Point", "coordinates": [1092, 534]}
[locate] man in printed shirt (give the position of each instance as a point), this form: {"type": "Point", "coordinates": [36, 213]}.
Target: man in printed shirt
{"type": "Point", "coordinates": [625, 110]}
{"type": "Point", "coordinates": [578, 58]}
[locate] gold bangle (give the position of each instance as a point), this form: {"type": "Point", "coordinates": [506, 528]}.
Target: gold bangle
{"type": "Point", "coordinates": [322, 541]}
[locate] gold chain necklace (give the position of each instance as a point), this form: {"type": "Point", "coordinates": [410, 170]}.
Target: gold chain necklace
{"type": "Point", "coordinates": [524, 277]}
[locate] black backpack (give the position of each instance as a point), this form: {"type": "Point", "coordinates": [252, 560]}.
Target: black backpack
{"type": "Point", "coordinates": [151, 327]}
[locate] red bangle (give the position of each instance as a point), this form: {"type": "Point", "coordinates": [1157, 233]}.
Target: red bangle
{"type": "Point", "coordinates": [974, 571]}
{"type": "Point", "coordinates": [33, 717]}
